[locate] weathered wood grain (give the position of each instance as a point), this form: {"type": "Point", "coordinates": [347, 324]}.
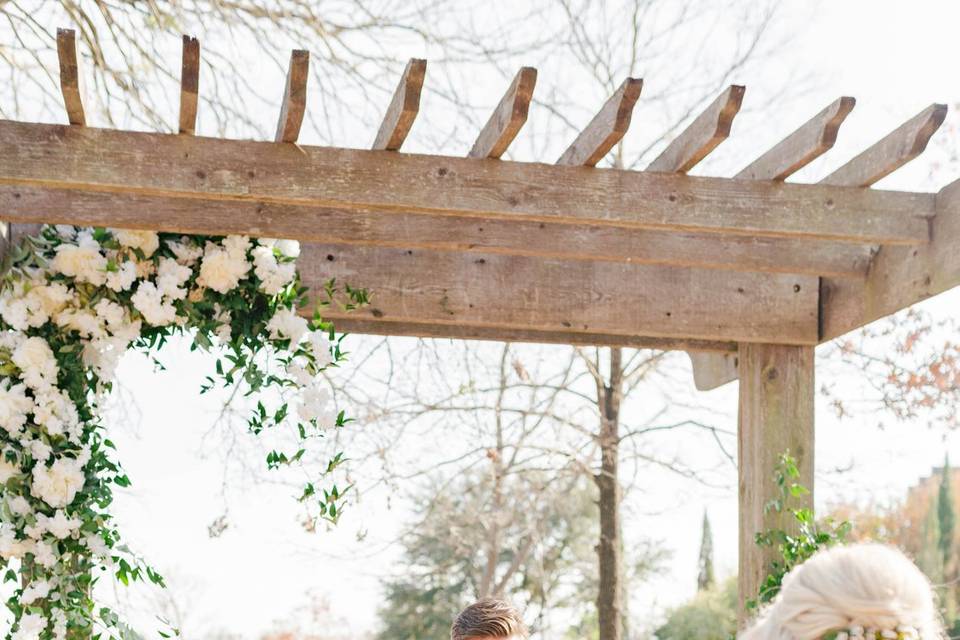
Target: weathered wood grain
{"type": "Point", "coordinates": [508, 118]}
{"type": "Point", "coordinates": [896, 149]}
{"type": "Point", "coordinates": [606, 129]}
{"type": "Point", "coordinates": [189, 85]}
{"type": "Point", "coordinates": [294, 103]}
{"type": "Point", "coordinates": [899, 276]}
{"type": "Point", "coordinates": [776, 415]}
{"type": "Point", "coordinates": [126, 162]}
{"type": "Point", "coordinates": [349, 323]}
{"type": "Point", "coordinates": [803, 146]}
{"type": "Point", "coordinates": [560, 296]}
{"type": "Point", "coordinates": [702, 135]}
{"type": "Point", "coordinates": [424, 231]}
{"type": "Point", "coordinates": [403, 108]}
{"type": "Point", "coordinates": [70, 76]}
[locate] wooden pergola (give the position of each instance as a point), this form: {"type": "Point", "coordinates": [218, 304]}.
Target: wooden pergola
{"type": "Point", "coordinates": [747, 273]}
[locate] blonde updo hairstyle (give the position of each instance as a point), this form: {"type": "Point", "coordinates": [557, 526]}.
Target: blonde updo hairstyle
{"type": "Point", "coordinates": [854, 591]}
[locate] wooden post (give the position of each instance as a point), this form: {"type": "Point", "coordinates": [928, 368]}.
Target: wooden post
{"type": "Point", "coordinates": [776, 415]}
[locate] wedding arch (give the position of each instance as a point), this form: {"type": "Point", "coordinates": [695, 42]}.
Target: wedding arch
{"type": "Point", "coordinates": [747, 273]}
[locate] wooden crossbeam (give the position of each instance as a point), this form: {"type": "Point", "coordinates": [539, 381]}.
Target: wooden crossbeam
{"type": "Point", "coordinates": [702, 135]}
{"type": "Point", "coordinates": [70, 76]}
{"type": "Point", "coordinates": [606, 129]}
{"type": "Point", "coordinates": [507, 119]}
{"type": "Point", "coordinates": [566, 297]}
{"type": "Point", "coordinates": [850, 302]}
{"type": "Point", "coordinates": [892, 152]}
{"type": "Point", "coordinates": [126, 162]}
{"type": "Point", "coordinates": [811, 140]}
{"type": "Point", "coordinates": [803, 146]}
{"type": "Point", "coordinates": [294, 97]}
{"type": "Point", "coordinates": [189, 85]}
{"type": "Point", "coordinates": [441, 233]}
{"type": "Point", "coordinates": [403, 107]}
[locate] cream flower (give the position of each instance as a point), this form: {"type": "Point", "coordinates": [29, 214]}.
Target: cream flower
{"type": "Point", "coordinates": [82, 261]}
{"type": "Point", "coordinates": [58, 484]}
{"type": "Point", "coordinates": [222, 268]}
{"type": "Point", "coordinates": [38, 367]}
{"type": "Point", "coordinates": [7, 470]}
{"type": "Point", "coordinates": [123, 278]}
{"type": "Point", "coordinates": [14, 406]}
{"type": "Point", "coordinates": [148, 300]}
{"type": "Point", "coordinates": [32, 625]}
{"type": "Point", "coordinates": [145, 241]}
{"type": "Point", "coordinates": [35, 591]}
{"type": "Point", "coordinates": [59, 526]}
{"type": "Point", "coordinates": [286, 324]}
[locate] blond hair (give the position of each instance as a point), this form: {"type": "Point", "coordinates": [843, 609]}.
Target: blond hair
{"type": "Point", "coordinates": [860, 586]}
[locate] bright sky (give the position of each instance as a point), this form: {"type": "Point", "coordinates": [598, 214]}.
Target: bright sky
{"type": "Point", "coordinates": [894, 57]}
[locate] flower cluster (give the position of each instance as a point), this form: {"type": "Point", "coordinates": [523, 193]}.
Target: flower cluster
{"type": "Point", "coordinates": [71, 303]}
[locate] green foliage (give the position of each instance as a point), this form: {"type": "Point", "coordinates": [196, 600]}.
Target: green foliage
{"type": "Point", "coordinates": [946, 517]}
{"type": "Point", "coordinates": [710, 615]}
{"type": "Point", "coordinates": [805, 536]}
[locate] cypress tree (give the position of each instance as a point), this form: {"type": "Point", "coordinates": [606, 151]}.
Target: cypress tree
{"type": "Point", "coordinates": [705, 578]}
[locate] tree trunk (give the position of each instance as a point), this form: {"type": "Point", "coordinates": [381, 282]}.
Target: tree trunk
{"type": "Point", "coordinates": [610, 547]}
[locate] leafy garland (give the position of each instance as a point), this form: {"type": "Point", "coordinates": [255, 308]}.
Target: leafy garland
{"type": "Point", "coordinates": [72, 301]}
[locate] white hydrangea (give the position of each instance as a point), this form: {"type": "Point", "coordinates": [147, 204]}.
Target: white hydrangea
{"type": "Point", "coordinates": [170, 278]}
{"type": "Point", "coordinates": [186, 252]}
{"type": "Point", "coordinates": [82, 261]}
{"type": "Point", "coordinates": [7, 470]}
{"type": "Point", "coordinates": [34, 358]}
{"type": "Point", "coordinates": [34, 591]}
{"type": "Point", "coordinates": [148, 300]}
{"type": "Point", "coordinates": [315, 406]}
{"type": "Point", "coordinates": [14, 406]}
{"type": "Point", "coordinates": [19, 505]}
{"type": "Point", "coordinates": [286, 324]}
{"type": "Point", "coordinates": [32, 625]}
{"type": "Point", "coordinates": [321, 347]}
{"type": "Point", "coordinates": [58, 484]}
{"type": "Point", "coordinates": [223, 267]}
{"type": "Point", "coordinates": [145, 241]}
{"type": "Point", "coordinates": [44, 553]}
{"type": "Point", "coordinates": [56, 413]}
{"type": "Point", "coordinates": [273, 275]}
{"type": "Point", "coordinates": [123, 277]}
{"type": "Point", "coordinates": [59, 526]}
{"type": "Point", "coordinates": [10, 547]}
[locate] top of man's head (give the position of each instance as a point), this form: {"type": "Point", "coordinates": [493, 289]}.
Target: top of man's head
{"type": "Point", "coordinates": [488, 618]}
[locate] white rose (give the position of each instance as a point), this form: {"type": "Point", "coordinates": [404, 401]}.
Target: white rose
{"type": "Point", "coordinates": [19, 505]}
{"type": "Point", "coordinates": [58, 484]}
{"type": "Point", "coordinates": [186, 252]}
{"type": "Point", "coordinates": [31, 626]}
{"type": "Point", "coordinates": [7, 470]}
{"type": "Point", "coordinates": [10, 547]}
{"type": "Point", "coordinates": [148, 300]}
{"type": "Point", "coordinates": [83, 261]}
{"type": "Point", "coordinates": [38, 367]}
{"type": "Point", "coordinates": [287, 324]}
{"type": "Point", "coordinates": [146, 241]}
{"type": "Point", "coordinates": [123, 278]}
{"type": "Point", "coordinates": [44, 554]}
{"type": "Point", "coordinates": [289, 248]}
{"type": "Point", "coordinates": [222, 270]}
{"type": "Point", "coordinates": [35, 591]}
{"type": "Point", "coordinates": [59, 526]}
{"type": "Point", "coordinates": [14, 406]}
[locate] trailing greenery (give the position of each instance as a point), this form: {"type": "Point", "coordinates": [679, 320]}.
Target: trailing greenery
{"type": "Point", "coordinates": [72, 301]}
{"type": "Point", "coordinates": [805, 537]}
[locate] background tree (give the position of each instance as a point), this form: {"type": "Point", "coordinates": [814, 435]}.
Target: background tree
{"type": "Point", "coordinates": [705, 579]}
{"type": "Point", "coordinates": [710, 615]}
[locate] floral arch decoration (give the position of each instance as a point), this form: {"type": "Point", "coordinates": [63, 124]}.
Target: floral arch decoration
{"type": "Point", "coordinates": [72, 301]}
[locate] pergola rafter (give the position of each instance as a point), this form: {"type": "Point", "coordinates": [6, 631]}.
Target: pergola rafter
{"type": "Point", "coordinates": [750, 270]}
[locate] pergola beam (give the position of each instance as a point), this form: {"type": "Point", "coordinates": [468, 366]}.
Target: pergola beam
{"type": "Point", "coordinates": [606, 129]}
{"type": "Point", "coordinates": [703, 135]}
{"type": "Point", "coordinates": [70, 76]}
{"type": "Point", "coordinates": [403, 107]}
{"type": "Point", "coordinates": [620, 301]}
{"type": "Point", "coordinates": [508, 118]}
{"type": "Point", "coordinates": [294, 103]}
{"type": "Point", "coordinates": [126, 162]}
{"type": "Point", "coordinates": [439, 233]}
{"type": "Point", "coordinates": [189, 85]}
